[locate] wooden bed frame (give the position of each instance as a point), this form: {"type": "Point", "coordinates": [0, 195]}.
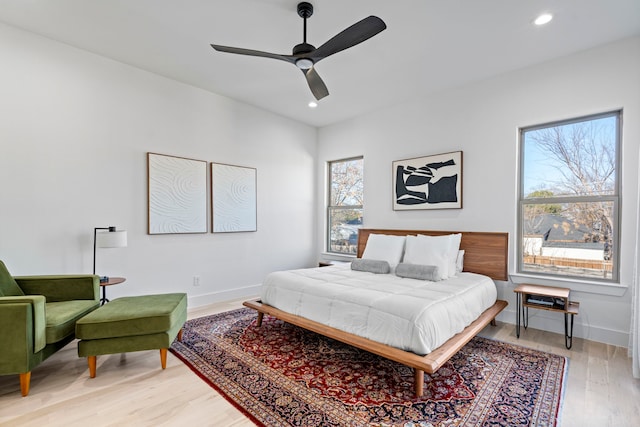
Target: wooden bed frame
{"type": "Point", "coordinates": [485, 253]}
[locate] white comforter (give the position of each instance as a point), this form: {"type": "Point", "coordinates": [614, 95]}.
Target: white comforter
{"type": "Point", "coordinates": [409, 314]}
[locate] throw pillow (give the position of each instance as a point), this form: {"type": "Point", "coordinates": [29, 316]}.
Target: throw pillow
{"type": "Point", "coordinates": [370, 265]}
{"type": "Point", "coordinates": [416, 271]}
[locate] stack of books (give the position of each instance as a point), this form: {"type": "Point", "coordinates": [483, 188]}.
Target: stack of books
{"type": "Point", "coordinates": [545, 300]}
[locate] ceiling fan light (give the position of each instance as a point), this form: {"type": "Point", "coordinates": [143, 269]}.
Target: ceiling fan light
{"type": "Point", "coordinates": [545, 18]}
{"type": "Point", "coordinates": [304, 63]}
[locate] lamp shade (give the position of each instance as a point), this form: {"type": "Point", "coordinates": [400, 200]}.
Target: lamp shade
{"type": "Point", "coordinates": [111, 239]}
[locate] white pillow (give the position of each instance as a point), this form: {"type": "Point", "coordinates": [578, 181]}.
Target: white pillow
{"type": "Point", "coordinates": [453, 253]}
{"type": "Point", "coordinates": [429, 250]}
{"type": "Point", "coordinates": [385, 248]}
{"type": "Point", "coordinates": [460, 262]}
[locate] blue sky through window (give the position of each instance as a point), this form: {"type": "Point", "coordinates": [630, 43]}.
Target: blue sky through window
{"type": "Point", "coordinates": [543, 171]}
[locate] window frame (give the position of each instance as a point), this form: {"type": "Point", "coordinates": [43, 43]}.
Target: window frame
{"type": "Point", "coordinates": [331, 208]}
{"type": "Point", "coordinates": [615, 198]}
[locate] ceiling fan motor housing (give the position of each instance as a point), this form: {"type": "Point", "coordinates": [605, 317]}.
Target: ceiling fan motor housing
{"type": "Point", "coordinates": [303, 48]}
{"type": "Point", "coordinates": [305, 9]}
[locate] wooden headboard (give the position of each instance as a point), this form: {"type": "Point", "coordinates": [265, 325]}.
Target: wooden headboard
{"type": "Point", "coordinates": [484, 253]}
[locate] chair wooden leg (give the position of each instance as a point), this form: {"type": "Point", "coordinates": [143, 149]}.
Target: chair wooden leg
{"type": "Point", "coordinates": [92, 365]}
{"type": "Point", "coordinates": [25, 383]}
{"type": "Point", "coordinates": [163, 358]}
{"type": "Point", "coordinates": [180, 335]}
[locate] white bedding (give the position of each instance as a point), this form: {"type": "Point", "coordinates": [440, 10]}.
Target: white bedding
{"type": "Point", "coordinates": [413, 315]}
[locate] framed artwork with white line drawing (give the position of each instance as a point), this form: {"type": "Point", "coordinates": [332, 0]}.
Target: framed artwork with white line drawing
{"type": "Point", "coordinates": [430, 182]}
{"type": "Point", "coordinates": [233, 198]}
{"type": "Point", "coordinates": [177, 195]}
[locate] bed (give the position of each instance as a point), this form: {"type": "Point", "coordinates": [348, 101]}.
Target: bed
{"type": "Point", "coordinates": [485, 254]}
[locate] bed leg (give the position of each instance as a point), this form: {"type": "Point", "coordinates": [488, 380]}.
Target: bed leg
{"type": "Point", "coordinates": [260, 316]}
{"type": "Point", "coordinates": [418, 381]}
{"type": "Point", "coordinates": [493, 322]}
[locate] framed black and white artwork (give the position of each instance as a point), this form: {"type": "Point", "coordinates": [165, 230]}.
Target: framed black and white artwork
{"type": "Point", "coordinates": [233, 198]}
{"type": "Point", "coordinates": [430, 182]}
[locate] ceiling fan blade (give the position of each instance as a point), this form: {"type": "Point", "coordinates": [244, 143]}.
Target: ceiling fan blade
{"type": "Point", "coordinates": [355, 34]}
{"type": "Point", "coordinates": [317, 86]}
{"type": "Point", "coordinates": [250, 52]}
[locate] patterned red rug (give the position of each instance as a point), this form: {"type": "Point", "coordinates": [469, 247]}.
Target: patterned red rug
{"type": "Point", "coordinates": [282, 375]}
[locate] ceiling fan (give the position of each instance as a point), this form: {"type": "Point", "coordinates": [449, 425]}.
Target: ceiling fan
{"type": "Point", "coordinates": [305, 55]}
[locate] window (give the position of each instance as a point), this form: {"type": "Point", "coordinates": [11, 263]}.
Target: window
{"type": "Point", "coordinates": [569, 198]}
{"type": "Point", "coordinates": [344, 212]}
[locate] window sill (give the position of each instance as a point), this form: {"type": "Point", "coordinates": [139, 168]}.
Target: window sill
{"type": "Point", "coordinates": [330, 256]}
{"type": "Point", "coordinates": [592, 287]}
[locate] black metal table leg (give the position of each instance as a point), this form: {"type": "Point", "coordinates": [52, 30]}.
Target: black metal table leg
{"type": "Point", "coordinates": [104, 299]}
{"type": "Point", "coordinates": [568, 335]}
{"type": "Point", "coordinates": [518, 304]}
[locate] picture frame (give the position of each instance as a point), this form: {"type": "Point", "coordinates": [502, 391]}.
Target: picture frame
{"type": "Point", "coordinates": [233, 198]}
{"type": "Point", "coordinates": [176, 195]}
{"type": "Point", "coordinates": [429, 182]}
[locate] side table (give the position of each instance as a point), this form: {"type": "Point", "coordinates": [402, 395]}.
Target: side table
{"type": "Point", "coordinates": [110, 282]}
{"type": "Point", "coordinates": [545, 298]}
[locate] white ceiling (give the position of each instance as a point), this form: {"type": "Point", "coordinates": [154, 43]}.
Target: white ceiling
{"type": "Point", "coordinates": [428, 46]}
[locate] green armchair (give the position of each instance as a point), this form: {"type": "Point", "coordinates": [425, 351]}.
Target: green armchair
{"type": "Point", "coordinates": [38, 316]}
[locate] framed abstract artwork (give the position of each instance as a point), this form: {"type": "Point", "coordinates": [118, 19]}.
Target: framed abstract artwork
{"type": "Point", "coordinates": [431, 182]}
{"type": "Point", "coordinates": [233, 198]}
{"type": "Point", "coordinates": [177, 194]}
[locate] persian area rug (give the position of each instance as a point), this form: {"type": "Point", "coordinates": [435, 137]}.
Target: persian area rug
{"type": "Point", "coordinates": [282, 375]}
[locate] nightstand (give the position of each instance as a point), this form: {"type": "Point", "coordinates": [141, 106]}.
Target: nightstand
{"type": "Point", "coordinates": [545, 298]}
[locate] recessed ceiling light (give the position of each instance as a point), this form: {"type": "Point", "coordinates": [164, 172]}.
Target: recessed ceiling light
{"type": "Point", "coordinates": [545, 18]}
{"type": "Point", "coordinates": [313, 104]}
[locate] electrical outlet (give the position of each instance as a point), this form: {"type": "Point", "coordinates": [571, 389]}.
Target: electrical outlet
{"type": "Point", "coordinates": [196, 280]}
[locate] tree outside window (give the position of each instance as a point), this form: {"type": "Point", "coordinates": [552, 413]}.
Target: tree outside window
{"type": "Point", "coordinates": [569, 198]}
{"type": "Point", "coordinates": [346, 194]}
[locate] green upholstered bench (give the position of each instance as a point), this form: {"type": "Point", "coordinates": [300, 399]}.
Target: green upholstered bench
{"type": "Point", "coordinates": [146, 322]}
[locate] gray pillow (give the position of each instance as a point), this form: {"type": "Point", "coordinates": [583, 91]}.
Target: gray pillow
{"type": "Point", "coordinates": [417, 271]}
{"type": "Point", "coordinates": [371, 266]}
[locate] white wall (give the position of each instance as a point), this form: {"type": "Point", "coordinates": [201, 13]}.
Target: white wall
{"type": "Point", "coordinates": [75, 129]}
{"type": "Point", "coordinates": [482, 120]}
{"type": "Point", "coordinates": [74, 132]}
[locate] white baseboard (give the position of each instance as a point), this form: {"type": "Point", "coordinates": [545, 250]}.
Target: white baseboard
{"type": "Point", "coordinates": [222, 296]}
{"type": "Point", "coordinates": [554, 322]}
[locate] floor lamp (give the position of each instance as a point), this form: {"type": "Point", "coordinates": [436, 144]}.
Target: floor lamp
{"type": "Point", "coordinates": [111, 238]}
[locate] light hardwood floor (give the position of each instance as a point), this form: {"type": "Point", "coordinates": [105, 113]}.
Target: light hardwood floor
{"type": "Point", "coordinates": [131, 389]}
